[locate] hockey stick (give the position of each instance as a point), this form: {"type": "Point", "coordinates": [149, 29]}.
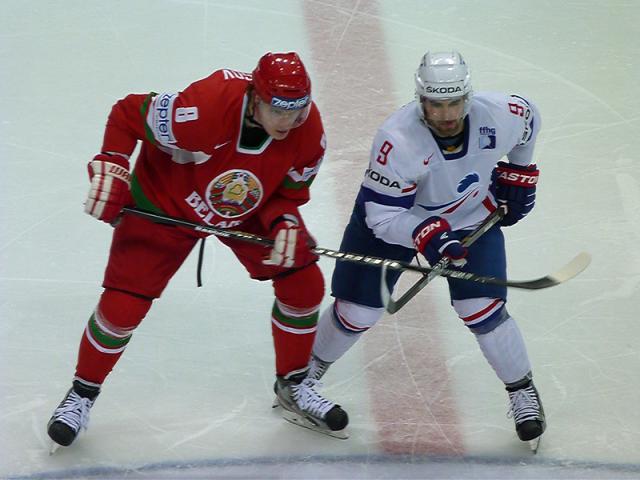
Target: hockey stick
{"type": "Point", "coordinates": [578, 264]}
{"type": "Point", "coordinates": [199, 227]}
{"type": "Point", "coordinates": [392, 306]}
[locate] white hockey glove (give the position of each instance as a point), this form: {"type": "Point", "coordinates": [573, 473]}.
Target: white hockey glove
{"type": "Point", "coordinates": [109, 190]}
{"type": "Point", "coordinates": [292, 244]}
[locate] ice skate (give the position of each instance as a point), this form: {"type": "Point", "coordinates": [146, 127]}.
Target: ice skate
{"type": "Point", "coordinates": [303, 406]}
{"type": "Point", "coordinates": [317, 367]}
{"type": "Point", "coordinates": [72, 414]}
{"type": "Point", "coordinates": [527, 413]}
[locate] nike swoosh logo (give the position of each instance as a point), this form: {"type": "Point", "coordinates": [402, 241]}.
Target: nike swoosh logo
{"type": "Point", "coordinates": [220, 145]}
{"type": "Point", "coordinates": [426, 160]}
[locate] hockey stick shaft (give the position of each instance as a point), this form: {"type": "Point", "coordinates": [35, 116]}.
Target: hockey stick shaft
{"type": "Point", "coordinates": [199, 227]}
{"type": "Point", "coordinates": [392, 306]}
{"type": "Point", "coordinates": [543, 282]}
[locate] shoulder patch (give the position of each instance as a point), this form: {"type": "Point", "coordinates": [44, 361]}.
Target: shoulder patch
{"type": "Point", "coordinates": [159, 118]}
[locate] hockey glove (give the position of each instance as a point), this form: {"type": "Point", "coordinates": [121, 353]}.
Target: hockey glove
{"type": "Point", "coordinates": [109, 191]}
{"type": "Point", "coordinates": [515, 187]}
{"type": "Point", "coordinates": [434, 239]}
{"type": "Point", "coordinates": [292, 244]}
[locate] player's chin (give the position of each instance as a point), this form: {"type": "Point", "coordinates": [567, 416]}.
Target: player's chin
{"type": "Point", "coordinates": [446, 129]}
{"type": "Point", "coordinates": [280, 134]}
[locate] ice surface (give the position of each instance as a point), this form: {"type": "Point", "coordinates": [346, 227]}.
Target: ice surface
{"type": "Point", "coordinates": [191, 396]}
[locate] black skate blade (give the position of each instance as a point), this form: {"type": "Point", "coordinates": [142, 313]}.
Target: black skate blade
{"type": "Point", "coordinates": [300, 421]}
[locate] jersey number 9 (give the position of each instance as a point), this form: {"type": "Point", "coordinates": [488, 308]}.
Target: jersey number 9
{"type": "Point", "coordinates": [385, 149]}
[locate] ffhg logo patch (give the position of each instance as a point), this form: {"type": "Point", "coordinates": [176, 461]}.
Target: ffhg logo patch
{"type": "Point", "coordinates": [487, 138]}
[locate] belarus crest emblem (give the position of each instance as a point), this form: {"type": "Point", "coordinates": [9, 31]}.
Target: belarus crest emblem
{"type": "Point", "coordinates": [234, 193]}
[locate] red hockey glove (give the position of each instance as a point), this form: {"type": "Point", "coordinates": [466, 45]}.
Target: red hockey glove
{"type": "Point", "coordinates": [516, 187]}
{"type": "Point", "coordinates": [292, 244]}
{"type": "Point", "coordinates": [434, 239]}
{"type": "Point", "coordinates": [109, 191]}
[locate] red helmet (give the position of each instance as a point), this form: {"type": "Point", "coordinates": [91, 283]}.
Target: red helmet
{"type": "Point", "coordinates": [282, 81]}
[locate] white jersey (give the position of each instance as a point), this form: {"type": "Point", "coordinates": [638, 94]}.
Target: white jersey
{"type": "Point", "coordinates": [410, 179]}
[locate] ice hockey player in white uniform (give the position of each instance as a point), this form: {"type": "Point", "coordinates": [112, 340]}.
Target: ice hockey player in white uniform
{"type": "Point", "coordinates": [435, 172]}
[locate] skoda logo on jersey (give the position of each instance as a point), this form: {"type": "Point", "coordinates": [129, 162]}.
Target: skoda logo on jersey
{"type": "Point", "coordinates": [234, 193]}
{"type": "Point", "coordinates": [290, 104]}
{"type": "Point", "coordinates": [487, 138]}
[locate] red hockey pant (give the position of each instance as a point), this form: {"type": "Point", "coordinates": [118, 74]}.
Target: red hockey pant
{"type": "Point", "coordinates": [143, 258]}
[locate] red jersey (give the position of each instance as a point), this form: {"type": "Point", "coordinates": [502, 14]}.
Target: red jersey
{"type": "Point", "coordinates": [196, 164]}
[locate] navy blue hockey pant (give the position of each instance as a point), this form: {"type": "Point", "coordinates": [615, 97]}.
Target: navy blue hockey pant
{"type": "Point", "coordinates": [361, 283]}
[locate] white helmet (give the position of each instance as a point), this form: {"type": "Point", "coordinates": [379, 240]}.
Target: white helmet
{"type": "Point", "coordinates": [443, 76]}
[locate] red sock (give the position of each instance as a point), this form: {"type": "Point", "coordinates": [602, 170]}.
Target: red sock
{"type": "Point", "coordinates": [295, 316]}
{"type": "Point", "coordinates": [108, 332]}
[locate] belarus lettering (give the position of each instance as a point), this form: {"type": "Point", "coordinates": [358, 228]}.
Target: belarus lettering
{"type": "Point", "coordinates": [200, 207]}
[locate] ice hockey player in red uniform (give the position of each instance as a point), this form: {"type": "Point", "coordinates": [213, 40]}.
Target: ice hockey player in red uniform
{"type": "Point", "coordinates": [233, 150]}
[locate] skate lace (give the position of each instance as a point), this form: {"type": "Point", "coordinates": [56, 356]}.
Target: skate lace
{"type": "Point", "coordinates": [524, 405]}
{"type": "Point", "coordinates": [74, 411]}
{"type": "Point", "coordinates": [310, 401]}
{"type": "Point", "coordinates": [318, 368]}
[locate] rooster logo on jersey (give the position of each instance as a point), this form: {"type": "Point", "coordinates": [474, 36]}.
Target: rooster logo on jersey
{"type": "Point", "coordinates": [468, 187]}
{"type": "Point", "coordinates": [467, 181]}
{"type": "Point", "coordinates": [234, 193]}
